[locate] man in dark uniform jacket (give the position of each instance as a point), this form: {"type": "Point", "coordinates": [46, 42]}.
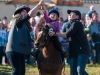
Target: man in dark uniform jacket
{"type": "Point", "coordinates": [78, 45]}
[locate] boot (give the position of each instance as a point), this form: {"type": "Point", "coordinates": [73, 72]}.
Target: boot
{"type": "Point", "coordinates": [66, 54]}
{"type": "Point", "coordinates": [33, 53]}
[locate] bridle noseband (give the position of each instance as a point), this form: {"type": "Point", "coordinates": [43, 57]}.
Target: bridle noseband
{"type": "Point", "coordinates": [41, 45]}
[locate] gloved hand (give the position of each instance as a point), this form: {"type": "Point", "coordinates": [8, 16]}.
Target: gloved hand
{"type": "Point", "coordinates": [50, 30]}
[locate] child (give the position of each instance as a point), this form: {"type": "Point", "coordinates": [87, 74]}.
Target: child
{"type": "Point", "coordinates": [91, 45]}
{"type": "Point", "coordinates": [52, 19]}
{"type": "Point", "coordinates": [2, 42]}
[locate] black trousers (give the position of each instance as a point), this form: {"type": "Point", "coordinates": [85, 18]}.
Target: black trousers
{"type": "Point", "coordinates": [96, 40]}
{"type": "Point", "coordinates": [1, 53]}
{"type": "Point", "coordinates": [17, 62]}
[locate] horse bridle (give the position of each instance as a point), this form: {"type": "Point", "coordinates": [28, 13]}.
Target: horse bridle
{"type": "Point", "coordinates": [41, 45]}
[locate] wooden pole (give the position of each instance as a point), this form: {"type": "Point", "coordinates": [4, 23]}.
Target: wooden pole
{"type": "Point", "coordinates": [80, 0]}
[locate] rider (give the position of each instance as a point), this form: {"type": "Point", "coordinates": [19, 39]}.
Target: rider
{"type": "Point", "coordinates": [52, 18]}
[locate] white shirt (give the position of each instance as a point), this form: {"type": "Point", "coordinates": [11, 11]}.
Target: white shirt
{"type": "Point", "coordinates": [37, 18]}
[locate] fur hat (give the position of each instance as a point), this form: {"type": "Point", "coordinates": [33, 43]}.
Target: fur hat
{"type": "Point", "coordinates": [53, 10]}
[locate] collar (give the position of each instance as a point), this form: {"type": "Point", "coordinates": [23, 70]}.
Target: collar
{"type": "Point", "coordinates": [76, 20]}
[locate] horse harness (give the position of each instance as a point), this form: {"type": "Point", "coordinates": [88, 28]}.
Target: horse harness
{"type": "Point", "coordinates": [39, 46]}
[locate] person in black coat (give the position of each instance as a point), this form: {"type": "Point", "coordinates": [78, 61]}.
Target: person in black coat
{"type": "Point", "coordinates": [19, 40]}
{"type": "Point", "coordinates": [78, 44]}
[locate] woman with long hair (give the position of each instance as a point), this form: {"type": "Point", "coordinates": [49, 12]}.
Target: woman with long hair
{"type": "Point", "coordinates": [19, 40]}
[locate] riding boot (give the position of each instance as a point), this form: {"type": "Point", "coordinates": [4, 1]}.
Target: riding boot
{"type": "Point", "coordinates": [33, 53]}
{"type": "Point", "coordinates": [65, 54]}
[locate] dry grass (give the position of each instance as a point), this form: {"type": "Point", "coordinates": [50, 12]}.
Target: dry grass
{"type": "Point", "coordinates": [32, 70]}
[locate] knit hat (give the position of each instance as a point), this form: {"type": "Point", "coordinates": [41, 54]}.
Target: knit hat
{"type": "Point", "coordinates": [76, 12]}
{"type": "Point", "coordinates": [53, 10]}
{"type": "Point", "coordinates": [83, 15]}
{"type": "Point", "coordinates": [92, 8]}
{"type": "Point", "coordinates": [20, 8]}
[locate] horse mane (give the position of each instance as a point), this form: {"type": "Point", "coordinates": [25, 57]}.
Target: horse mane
{"type": "Point", "coordinates": [53, 39]}
{"type": "Point", "coordinates": [56, 43]}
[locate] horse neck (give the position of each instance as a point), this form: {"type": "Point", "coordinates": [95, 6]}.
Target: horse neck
{"type": "Point", "coordinates": [49, 47]}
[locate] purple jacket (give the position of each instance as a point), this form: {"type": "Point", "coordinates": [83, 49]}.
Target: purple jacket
{"type": "Point", "coordinates": [56, 24]}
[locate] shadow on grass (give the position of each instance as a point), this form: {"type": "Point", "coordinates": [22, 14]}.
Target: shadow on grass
{"type": "Point", "coordinates": [94, 65]}
{"type": "Point", "coordinates": [31, 65]}
{"type": "Point", "coordinates": [3, 73]}
{"type": "Point", "coordinates": [5, 70]}
{"type": "Point", "coordinates": [32, 69]}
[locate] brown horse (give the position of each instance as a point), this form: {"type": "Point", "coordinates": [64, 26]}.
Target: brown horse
{"type": "Point", "coordinates": [50, 54]}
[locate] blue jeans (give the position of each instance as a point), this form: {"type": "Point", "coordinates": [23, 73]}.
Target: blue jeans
{"type": "Point", "coordinates": [17, 62]}
{"type": "Point", "coordinates": [78, 64]}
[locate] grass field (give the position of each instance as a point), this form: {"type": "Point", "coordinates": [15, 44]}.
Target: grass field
{"type": "Point", "coordinates": [32, 70]}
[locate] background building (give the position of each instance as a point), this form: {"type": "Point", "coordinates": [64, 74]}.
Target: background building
{"type": "Point", "coordinates": [7, 7]}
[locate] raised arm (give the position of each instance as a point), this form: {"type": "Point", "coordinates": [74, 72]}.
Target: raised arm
{"type": "Point", "coordinates": [45, 14]}
{"type": "Point", "coordinates": [20, 20]}
{"type": "Point", "coordinates": [33, 10]}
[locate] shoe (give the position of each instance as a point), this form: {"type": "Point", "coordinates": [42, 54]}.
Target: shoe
{"type": "Point", "coordinates": [66, 54]}
{"type": "Point", "coordinates": [33, 53]}
{"type": "Point", "coordinates": [0, 64]}
{"type": "Point", "coordinates": [91, 63]}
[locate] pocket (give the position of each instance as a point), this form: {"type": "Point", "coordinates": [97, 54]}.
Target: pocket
{"type": "Point", "coordinates": [8, 54]}
{"type": "Point", "coordinates": [23, 45]}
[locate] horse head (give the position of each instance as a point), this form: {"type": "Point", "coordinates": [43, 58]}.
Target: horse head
{"type": "Point", "coordinates": [42, 36]}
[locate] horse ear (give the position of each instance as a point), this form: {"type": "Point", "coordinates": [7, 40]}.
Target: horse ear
{"type": "Point", "coordinates": [36, 41]}
{"type": "Point", "coordinates": [42, 29]}
{"type": "Point", "coordinates": [46, 26]}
